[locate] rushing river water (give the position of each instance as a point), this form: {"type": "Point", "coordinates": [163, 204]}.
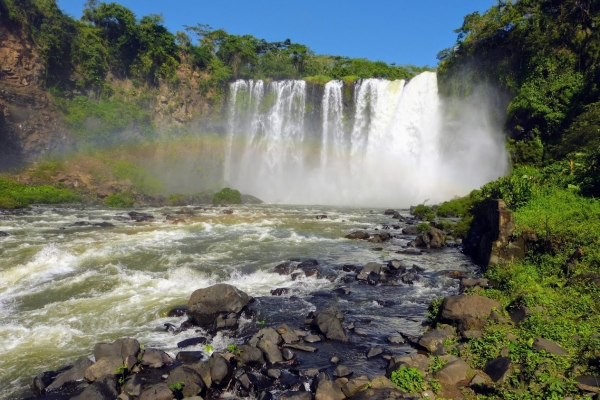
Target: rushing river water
{"type": "Point", "coordinates": [66, 284]}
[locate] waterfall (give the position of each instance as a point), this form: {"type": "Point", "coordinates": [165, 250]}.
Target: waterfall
{"type": "Point", "coordinates": [377, 142]}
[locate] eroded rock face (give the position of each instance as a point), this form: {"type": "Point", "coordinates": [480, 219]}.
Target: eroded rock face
{"type": "Point", "coordinates": [433, 238]}
{"type": "Point", "coordinates": [489, 241]}
{"type": "Point", "coordinates": [206, 304]}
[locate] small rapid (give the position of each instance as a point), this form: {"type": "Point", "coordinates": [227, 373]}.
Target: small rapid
{"type": "Point", "coordinates": [66, 283]}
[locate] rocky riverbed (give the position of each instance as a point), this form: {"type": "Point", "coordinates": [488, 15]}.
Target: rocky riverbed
{"type": "Point", "coordinates": [318, 321]}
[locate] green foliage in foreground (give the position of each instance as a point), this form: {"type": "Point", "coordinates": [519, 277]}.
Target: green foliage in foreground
{"type": "Point", "coordinates": [14, 195]}
{"type": "Point", "coordinates": [227, 196]}
{"type": "Point", "coordinates": [123, 200]}
{"type": "Point", "coordinates": [560, 290]}
{"type": "Point", "coordinates": [409, 379]}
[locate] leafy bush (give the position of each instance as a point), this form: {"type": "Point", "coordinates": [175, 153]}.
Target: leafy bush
{"type": "Point", "coordinates": [48, 169]}
{"type": "Point", "coordinates": [458, 207]}
{"type": "Point", "coordinates": [14, 195]}
{"type": "Point", "coordinates": [123, 200]}
{"type": "Point", "coordinates": [421, 211]}
{"type": "Point", "coordinates": [423, 227]}
{"type": "Point", "coordinates": [227, 196]}
{"type": "Point", "coordinates": [409, 379]}
{"type": "Point", "coordinates": [516, 190]}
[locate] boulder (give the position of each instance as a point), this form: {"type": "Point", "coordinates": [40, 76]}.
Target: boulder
{"type": "Point", "coordinates": [121, 347]}
{"type": "Point", "coordinates": [342, 371]}
{"type": "Point", "coordinates": [220, 370]}
{"type": "Point", "coordinates": [248, 355]}
{"type": "Point", "coordinates": [362, 235]}
{"type": "Point", "coordinates": [206, 304]}
{"type": "Point", "coordinates": [397, 265]}
{"type": "Point", "coordinates": [411, 230]}
{"type": "Point", "coordinates": [433, 238]}
{"type": "Point", "coordinates": [374, 352]}
{"type": "Point", "coordinates": [285, 268]}
{"type": "Point", "coordinates": [328, 390]}
{"type": "Point", "coordinates": [159, 391]}
{"type": "Point", "coordinates": [4, 234]}
{"type": "Point", "coordinates": [390, 212]}
{"type": "Point", "coordinates": [295, 396]}
{"type": "Point", "coordinates": [372, 267]}
{"type": "Point", "coordinates": [453, 372]}
{"type": "Point", "coordinates": [469, 283]}
{"type": "Point", "coordinates": [192, 382]}
{"type": "Point", "coordinates": [355, 385]}
{"type": "Point", "coordinates": [434, 340]}
{"type": "Point", "coordinates": [470, 312]}
{"type": "Point", "coordinates": [418, 361]}
{"type": "Point", "coordinates": [73, 374]}
{"type": "Point", "coordinates": [498, 368]}
{"type": "Point", "coordinates": [155, 358]}
{"type": "Point", "coordinates": [380, 237]}
{"type": "Point", "coordinates": [270, 350]}
{"type": "Point", "coordinates": [328, 324]}
{"type": "Point", "coordinates": [549, 347]}
{"type": "Point", "coordinates": [140, 217]}
{"type": "Point", "coordinates": [588, 383]}
{"type": "Point", "coordinates": [104, 388]}
{"type": "Point", "coordinates": [104, 366]}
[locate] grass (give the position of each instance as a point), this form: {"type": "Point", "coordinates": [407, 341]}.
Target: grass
{"type": "Point", "coordinates": [318, 79]}
{"type": "Point", "coordinates": [564, 304]}
{"type": "Point", "coordinates": [14, 195]}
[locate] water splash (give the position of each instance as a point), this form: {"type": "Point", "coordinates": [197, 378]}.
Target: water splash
{"type": "Point", "coordinates": [387, 145]}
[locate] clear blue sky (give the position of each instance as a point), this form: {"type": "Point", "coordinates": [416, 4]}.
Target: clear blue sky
{"type": "Point", "coordinates": [400, 31]}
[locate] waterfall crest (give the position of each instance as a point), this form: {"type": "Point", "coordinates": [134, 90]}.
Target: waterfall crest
{"type": "Point", "coordinates": [374, 143]}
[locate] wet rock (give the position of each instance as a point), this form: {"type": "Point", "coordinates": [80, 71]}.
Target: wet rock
{"type": "Point", "coordinates": [410, 230]}
{"type": "Point", "coordinates": [102, 367]}
{"type": "Point", "coordinates": [498, 368]}
{"type": "Point", "coordinates": [549, 347]}
{"type": "Point", "coordinates": [410, 278]}
{"type": "Point", "coordinates": [249, 355]}
{"type": "Point", "coordinates": [228, 212]}
{"type": "Point", "coordinates": [104, 225]}
{"type": "Point", "coordinates": [308, 263]}
{"type": "Point", "coordinates": [374, 352]}
{"type": "Point", "coordinates": [321, 216]}
{"type": "Point", "coordinates": [121, 347]}
{"type": "Point", "coordinates": [396, 339]}
{"type": "Point", "coordinates": [470, 312]}
{"type": "Point", "coordinates": [42, 380]}
{"type": "Point", "coordinates": [189, 356]}
{"type": "Point", "coordinates": [285, 268]}
{"type": "Point", "coordinates": [274, 373]}
{"type": "Point", "coordinates": [433, 238]}
{"type": "Point", "coordinates": [270, 351]}
{"type": "Point", "coordinates": [434, 341]}
{"type": "Point", "coordinates": [397, 265]}
{"type": "Point", "coordinates": [380, 237]}
{"type": "Point", "coordinates": [133, 385]}
{"type": "Point", "coordinates": [453, 372]}
{"type": "Point", "coordinates": [390, 212]}
{"type": "Point", "coordinates": [104, 388]}
{"type": "Point", "coordinates": [327, 322]}
{"type": "Point", "coordinates": [287, 354]}
{"type": "Point", "coordinates": [192, 382]}
{"type": "Point", "coordinates": [371, 267]}
{"type": "Point", "coordinates": [470, 283]}
{"type": "Point", "coordinates": [342, 371]}
{"type": "Point", "coordinates": [295, 396]}
{"type": "Point", "coordinates": [418, 361]}
{"type": "Point", "coordinates": [301, 347]}
{"type": "Point", "coordinates": [206, 304]}
{"type": "Point", "coordinates": [140, 217]}
{"type": "Point", "coordinates": [191, 342]}
{"type": "Point", "coordinates": [312, 338]}
{"type": "Point", "coordinates": [266, 333]}
{"type": "Point", "coordinates": [220, 370]}
{"type": "Point", "coordinates": [159, 391]}
{"type": "Point", "coordinates": [4, 234]}
{"type": "Point", "coordinates": [355, 385]}
{"type": "Point", "coordinates": [362, 235]}
{"type": "Point", "coordinates": [280, 291]}
{"type": "Point", "coordinates": [155, 358]}
{"type": "Point", "coordinates": [588, 383]}
{"type": "Point", "coordinates": [73, 374]}
{"type": "Point", "coordinates": [381, 382]}
{"type": "Point", "coordinates": [328, 390]}
{"type": "Point", "coordinates": [288, 335]}
{"type": "Point", "coordinates": [178, 311]}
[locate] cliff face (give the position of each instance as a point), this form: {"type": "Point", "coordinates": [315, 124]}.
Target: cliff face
{"type": "Point", "coordinates": [29, 124]}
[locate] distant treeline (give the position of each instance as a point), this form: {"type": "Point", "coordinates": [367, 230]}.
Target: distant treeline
{"type": "Point", "coordinates": [545, 54]}
{"type": "Point", "coordinates": [110, 39]}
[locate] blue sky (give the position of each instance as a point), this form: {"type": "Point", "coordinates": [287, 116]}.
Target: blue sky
{"type": "Point", "coordinates": [400, 31]}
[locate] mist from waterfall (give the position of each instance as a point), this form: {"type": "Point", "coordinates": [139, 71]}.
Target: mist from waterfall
{"type": "Point", "coordinates": [373, 143]}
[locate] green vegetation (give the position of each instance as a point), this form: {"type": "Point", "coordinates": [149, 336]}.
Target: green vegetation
{"type": "Point", "coordinates": [14, 195]}
{"type": "Point", "coordinates": [227, 196]}
{"type": "Point", "coordinates": [544, 56]}
{"type": "Point", "coordinates": [423, 227]}
{"type": "Point", "coordinates": [123, 200]}
{"type": "Point", "coordinates": [139, 177]}
{"type": "Point", "coordinates": [409, 379]}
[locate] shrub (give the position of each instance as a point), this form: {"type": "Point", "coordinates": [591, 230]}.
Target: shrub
{"type": "Point", "coordinates": [409, 379]}
{"type": "Point", "coordinates": [423, 227]}
{"type": "Point", "coordinates": [421, 211]}
{"type": "Point", "coordinates": [455, 208]}
{"type": "Point", "coordinates": [14, 195]}
{"type": "Point", "coordinates": [123, 200]}
{"type": "Point", "coordinates": [227, 196]}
